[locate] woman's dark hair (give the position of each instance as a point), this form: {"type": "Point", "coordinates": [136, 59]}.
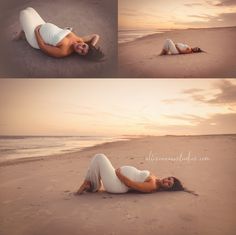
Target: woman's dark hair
{"type": "Point", "coordinates": [197, 50]}
{"type": "Point", "coordinates": [94, 53]}
{"type": "Point", "coordinates": [177, 186]}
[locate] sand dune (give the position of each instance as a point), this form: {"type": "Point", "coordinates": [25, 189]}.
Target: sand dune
{"type": "Point", "coordinates": [36, 197]}
{"type": "Point", "coordinates": [140, 58]}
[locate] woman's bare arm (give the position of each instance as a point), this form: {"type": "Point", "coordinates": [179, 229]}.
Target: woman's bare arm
{"type": "Point", "coordinates": [92, 39]}
{"type": "Point", "coordinates": [49, 50]}
{"type": "Point", "coordinates": [145, 187]}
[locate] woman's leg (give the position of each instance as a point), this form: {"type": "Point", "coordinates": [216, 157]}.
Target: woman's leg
{"type": "Point", "coordinates": [29, 20]}
{"type": "Point", "coordinates": [169, 46]}
{"type": "Point", "coordinates": [101, 169]}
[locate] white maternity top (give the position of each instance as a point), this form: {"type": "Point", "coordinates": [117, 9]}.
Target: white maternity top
{"type": "Point", "coordinates": [182, 46]}
{"type": "Point", "coordinates": [134, 174]}
{"type": "Point", "coordinates": [52, 34]}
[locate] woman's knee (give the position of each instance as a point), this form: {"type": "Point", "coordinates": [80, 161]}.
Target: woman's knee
{"type": "Point", "coordinates": [168, 40]}
{"type": "Point", "coordinates": [100, 156]}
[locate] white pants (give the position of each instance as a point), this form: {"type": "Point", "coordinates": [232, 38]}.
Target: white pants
{"type": "Point", "coordinates": [29, 20]}
{"type": "Point", "coordinates": [170, 47]}
{"type": "Point", "coordinates": [101, 169]}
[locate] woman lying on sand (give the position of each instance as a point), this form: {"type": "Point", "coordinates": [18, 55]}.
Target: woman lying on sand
{"type": "Point", "coordinates": [178, 48]}
{"type": "Point", "coordinates": [124, 179]}
{"type": "Point", "coordinates": [55, 41]}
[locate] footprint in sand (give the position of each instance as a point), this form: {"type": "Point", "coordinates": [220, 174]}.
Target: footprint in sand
{"type": "Point", "coordinates": [187, 217]}
{"type": "Point", "coordinates": [7, 202]}
{"type": "Point", "coordinates": [105, 197]}
{"type": "Point", "coordinates": [66, 191]}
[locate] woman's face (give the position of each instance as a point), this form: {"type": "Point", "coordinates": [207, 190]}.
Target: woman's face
{"type": "Point", "coordinates": [196, 49]}
{"type": "Point", "coordinates": [167, 183]}
{"type": "Point", "coordinates": [81, 48]}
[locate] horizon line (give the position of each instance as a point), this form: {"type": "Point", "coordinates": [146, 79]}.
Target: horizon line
{"type": "Point", "coordinates": [176, 28]}
{"type": "Point", "coordinates": [5, 136]}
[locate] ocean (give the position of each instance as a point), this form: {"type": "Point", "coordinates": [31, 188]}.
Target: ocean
{"type": "Point", "coordinates": [16, 147]}
{"type": "Point", "coordinates": [126, 35]}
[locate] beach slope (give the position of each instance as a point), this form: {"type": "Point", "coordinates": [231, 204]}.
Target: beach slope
{"type": "Point", "coordinates": [140, 58]}
{"type": "Point", "coordinates": [36, 197]}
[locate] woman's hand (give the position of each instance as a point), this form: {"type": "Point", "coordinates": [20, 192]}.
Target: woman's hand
{"type": "Point", "coordinates": [38, 36]}
{"type": "Point", "coordinates": [37, 28]}
{"type": "Point", "coordinates": [125, 180]}
{"type": "Point", "coordinates": [92, 39]}
{"type": "Point", "coordinates": [118, 173]}
{"type": "Point", "coordinates": [122, 177]}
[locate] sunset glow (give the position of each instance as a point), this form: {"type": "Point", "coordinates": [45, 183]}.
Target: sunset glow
{"type": "Point", "coordinates": [117, 107]}
{"type": "Point", "coordinates": [172, 14]}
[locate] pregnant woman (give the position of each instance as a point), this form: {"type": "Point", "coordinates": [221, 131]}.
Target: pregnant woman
{"type": "Point", "coordinates": [55, 41]}
{"type": "Point", "coordinates": [178, 48]}
{"type": "Point", "coordinates": [124, 179]}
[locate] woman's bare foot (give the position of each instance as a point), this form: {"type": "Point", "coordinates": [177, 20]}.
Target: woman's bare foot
{"type": "Point", "coordinates": [86, 186]}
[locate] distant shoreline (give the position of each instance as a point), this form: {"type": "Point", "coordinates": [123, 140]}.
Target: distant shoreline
{"type": "Point", "coordinates": [21, 148]}
{"type": "Point", "coordinates": [130, 35]}
{"type": "Point", "coordinates": [163, 31]}
{"type": "Point", "coordinates": [103, 145]}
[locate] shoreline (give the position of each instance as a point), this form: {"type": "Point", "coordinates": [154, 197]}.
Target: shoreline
{"type": "Point", "coordinates": [59, 155]}
{"type": "Point", "coordinates": [37, 197]}
{"type": "Point", "coordinates": [173, 30]}
{"type": "Point", "coordinates": [141, 57]}
{"type": "Point", "coordinates": [71, 153]}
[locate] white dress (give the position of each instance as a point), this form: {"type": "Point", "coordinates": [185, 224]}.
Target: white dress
{"type": "Point", "coordinates": [101, 169]}
{"type": "Point", "coordinates": [50, 33]}
{"type": "Point", "coordinates": [182, 46]}
{"type": "Point", "coordinates": [171, 48]}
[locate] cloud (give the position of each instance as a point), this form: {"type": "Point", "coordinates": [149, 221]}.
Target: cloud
{"type": "Point", "coordinates": [227, 94]}
{"type": "Point", "coordinates": [192, 4]}
{"type": "Point", "coordinates": [201, 16]}
{"type": "Point", "coordinates": [172, 101]}
{"type": "Point", "coordinates": [218, 123]}
{"type": "Point", "coordinates": [191, 90]}
{"type": "Point", "coordinates": [226, 18]}
{"type": "Point", "coordinates": [214, 124]}
{"type": "Point", "coordinates": [176, 100]}
{"type": "Point", "coordinates": [185, 117]}
{"type": "Point", "coordinates": [221, 20]}
{"type": "Point", "coordinates": [226, 3]}
{"type": "Point", "coordinates": [137, 13]}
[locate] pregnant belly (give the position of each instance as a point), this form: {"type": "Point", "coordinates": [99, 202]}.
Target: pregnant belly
{"type": "Point", "coordinates": [134, 174]}
{"type": "Point", "coordinates": [53, 35]}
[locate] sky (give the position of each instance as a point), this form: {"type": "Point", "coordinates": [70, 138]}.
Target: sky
{"type": "Point", "coordinates": [114, 107]}
{"type": "Point", "coordinates": [176, 14]}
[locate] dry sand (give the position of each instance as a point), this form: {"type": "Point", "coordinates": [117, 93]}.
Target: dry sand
{"type": "Point", "coordinates": [86, 17]}
{"type": "Point", "coordinates": [140, 58]}
{"type": "Point", "coordinates": [36, 197]}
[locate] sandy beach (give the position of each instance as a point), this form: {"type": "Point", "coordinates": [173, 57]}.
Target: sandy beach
{"type": "Point", "coordinates": [86, 18]}
{"type": "Point", "coordinates": [140, 58]}
{"type": "Point", "coordinates": [36, 196]}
